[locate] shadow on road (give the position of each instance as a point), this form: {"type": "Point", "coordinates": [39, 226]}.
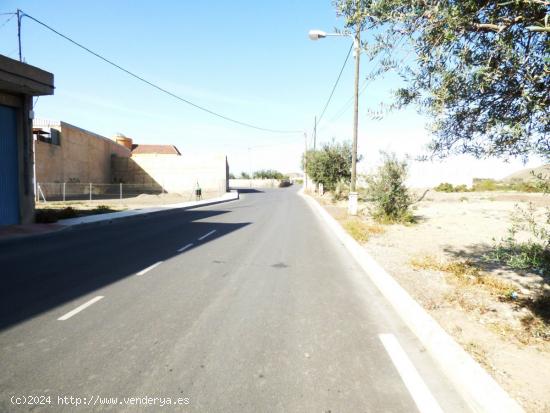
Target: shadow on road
{"type": "Point", "coordinates": [248, 190]}
{"type": "Point", "coordinates": [38, 274]}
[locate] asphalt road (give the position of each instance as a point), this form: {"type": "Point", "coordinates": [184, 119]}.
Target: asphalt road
{"type": "Point", "coordinates": [247, 306]}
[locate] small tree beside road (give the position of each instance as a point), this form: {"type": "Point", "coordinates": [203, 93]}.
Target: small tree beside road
{"type": "Point", "coordinates": [330, 165]}
{"type": "Point", "coordinates": [388, 192]}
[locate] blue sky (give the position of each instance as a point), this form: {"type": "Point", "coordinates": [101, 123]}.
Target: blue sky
{"type": "Point", "coordinates": [248, 60]}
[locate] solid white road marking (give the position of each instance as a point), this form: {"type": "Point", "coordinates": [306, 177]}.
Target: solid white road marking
{"type": "Point", "coordinates": [80, 308]}
{"type": "Point", "coordinates": [184, 248]}
{"type": "Point", "coordinates": [149, 268]}
{"type": "Point", "coordinates": [417, 388]}
{"type": "Point", "coordinates": [206, 235]}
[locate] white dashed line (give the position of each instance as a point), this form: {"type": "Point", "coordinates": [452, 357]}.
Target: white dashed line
{"type": "Point", "coordinates": [417, 388]}
{"type": "Point", "coordinates": [206, 235]}
{"type": "Point", "coordinates": [80, 308]}
{"type": "Point", "coordinates": [184, 248]}
{"type": "Point", "coordinates": [149, 268]}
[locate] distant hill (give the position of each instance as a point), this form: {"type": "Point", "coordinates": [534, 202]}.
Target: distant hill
{"type": "Point", "coordinates": [526, 175]}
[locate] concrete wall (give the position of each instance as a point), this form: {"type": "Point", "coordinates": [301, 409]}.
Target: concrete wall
{"type": "Point", "coordinates": [254, 183]}
{"type": "Point", "coordinates": [174, 173]}
{"type": "Point", "coordinates": [82, 156]}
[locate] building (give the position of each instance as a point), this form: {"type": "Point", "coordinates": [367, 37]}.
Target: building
{"type": "Point", "coordinates": [164, 165]}
{"type": "Point", "coordinates": [19, 82]}
{"type": "Point", "coordinates": [68, 154]}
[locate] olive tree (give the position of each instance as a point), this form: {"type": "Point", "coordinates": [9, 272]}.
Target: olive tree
{"type": "Point", "coordinates": [480, 69]}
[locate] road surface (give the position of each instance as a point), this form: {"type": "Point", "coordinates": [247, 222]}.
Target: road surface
{"type": "Point", "coordinates": [247, 306]}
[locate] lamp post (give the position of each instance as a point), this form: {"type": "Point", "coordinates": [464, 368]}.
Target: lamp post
{"type": "Point", "coordinates": [319, 34]}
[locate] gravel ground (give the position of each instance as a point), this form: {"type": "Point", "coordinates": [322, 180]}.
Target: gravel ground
{"type": "Point", "coordinates": [457, 227]}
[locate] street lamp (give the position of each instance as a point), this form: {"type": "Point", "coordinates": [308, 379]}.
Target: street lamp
{"type": "Point", "coordinates": [319, 34]}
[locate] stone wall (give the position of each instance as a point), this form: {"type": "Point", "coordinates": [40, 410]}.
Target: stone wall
{"type": "Point", "coordinates": [81, 156]}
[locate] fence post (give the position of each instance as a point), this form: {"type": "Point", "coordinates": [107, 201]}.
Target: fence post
{"type": "Point", "coordinates": [64, 190]}
{"type": "Point", "coordinates": [121, 191]}
{"type": "Point", "coordinates": [90, 191]}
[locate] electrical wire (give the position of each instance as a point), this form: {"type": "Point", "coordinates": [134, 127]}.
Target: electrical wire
{"type": "Point", "coordinates": [320, 118]}
{"type": "Point", "coordinates": [196, 106]}
{"type": "Point", "coordinates": [8, 20]}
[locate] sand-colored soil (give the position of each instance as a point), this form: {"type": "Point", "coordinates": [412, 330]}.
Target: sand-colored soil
{"type": "Point", "coordinates": [458, 227]}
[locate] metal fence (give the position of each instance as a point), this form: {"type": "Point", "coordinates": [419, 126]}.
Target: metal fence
{"type": "Point", "coordinates": [76, 191]}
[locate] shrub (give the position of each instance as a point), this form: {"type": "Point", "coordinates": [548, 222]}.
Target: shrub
{"type": "Point", "coordinates": [330, 165]}
{"type": "Point", "coordinates": [533, 254]}
{"type": "Point", "coordinates": [388, 192]}
{"type": "Point", "coordinates": [484, 185]}
{"type": "Point", "coordinates": [444, 187]}
{"type": "Point", "coordinates": [447, 187]}
{"type": "Point", "coordinates": [102, 209]}
{"type": "Point", "coordinates": [45, 216]}
{"type": "Point", "coordinates": [66, 213]}
{"type": "Point", "coordinates": [268, 174]}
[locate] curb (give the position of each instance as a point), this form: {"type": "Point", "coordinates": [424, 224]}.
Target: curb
{"type": "Point", "coordinates": [111, 217]}
{"type": "Point", "coordinates": [110, 220]}
{"type": "Point", "coordinates": [479, 390]}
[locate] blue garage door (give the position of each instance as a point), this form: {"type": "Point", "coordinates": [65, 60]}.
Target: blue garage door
{"type": "Point", "coordinates": [9, 180]}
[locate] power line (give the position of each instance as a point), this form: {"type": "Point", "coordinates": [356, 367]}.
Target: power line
{"type": "Point", "coordinates": [334, 87]}
{"type": "Point", "coordinates": [211, 112]}
{"type": "Point", "coordinates": [8, 20]}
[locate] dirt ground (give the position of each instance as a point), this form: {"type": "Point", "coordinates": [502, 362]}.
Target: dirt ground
{"type": "Point", "coordinates": [137, 202]}
{"type": "Point", "coordinates": [460, 227]}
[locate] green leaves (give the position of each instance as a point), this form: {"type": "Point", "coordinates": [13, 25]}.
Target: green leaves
{"type": "Point", "coordinates": [480, 69]}
{"type": "Point", "coordinates": [330, 165]}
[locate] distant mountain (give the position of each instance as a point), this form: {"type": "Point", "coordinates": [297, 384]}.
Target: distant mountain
{"type": "Point", "coordinates": [527, 174]}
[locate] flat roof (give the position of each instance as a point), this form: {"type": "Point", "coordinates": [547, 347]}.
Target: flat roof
{"type": "Point", "coordinates": [18, 77]}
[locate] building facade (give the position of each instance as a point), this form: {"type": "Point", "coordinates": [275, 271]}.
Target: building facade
{"type": "Point", "coordinates": [19, 82]}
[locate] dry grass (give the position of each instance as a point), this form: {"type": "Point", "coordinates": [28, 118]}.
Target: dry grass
{"type": "Point", "coordinates": [464, 273]}
{"type": "Point", "coordinates": [361, 230]}
{"type": "Point", "coordinates": [467, 278]}
{"type": "Point", "coordinates": [479, 354]}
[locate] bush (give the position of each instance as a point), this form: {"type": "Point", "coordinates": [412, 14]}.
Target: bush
{"type": "Point", "coordinates": [50, 215]}
{"type": "Point", "coordinates": [102, 209]}
{"type": "Point", "coordinates": [444, 187]}
{"type": "Point", "coordinates": [447, 187]}
{"type": "Point", "coordinates": [461, 188]}
{"type": "Point", "coordinates": [480, 185]}
{"type": "Point", "coordinates": [388, 192]}
{"type": "Point", "coordinates": [268, 174]}
{"type": "Point", "coordinates": [534, 254]}
{"type": "Point", "coordinates": [330, 165]}
{"type": "Point", "coordinates": [45, 216]}
{"type": "Point", "coordinates": [66, 213]}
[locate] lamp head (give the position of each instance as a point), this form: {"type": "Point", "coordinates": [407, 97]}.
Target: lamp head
{"type": "Point", "coordinates": [317, 34]}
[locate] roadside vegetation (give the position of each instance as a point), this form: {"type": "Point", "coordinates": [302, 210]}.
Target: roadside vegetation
{"type": "Point", "coordinates": [532, 253]}
{"type": "Point", "coordinates": [466, 277]}
{"type": "Point", "coordinates": [488, 185]}
{"type": "Point", "coordinates": [391, 200]}
{"type": "Point", "coordinates": [330, 165]}
{"type": "Point", "coordinates": [52, 214]}
{"type": "Point", "coordinates": [360, 230]}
